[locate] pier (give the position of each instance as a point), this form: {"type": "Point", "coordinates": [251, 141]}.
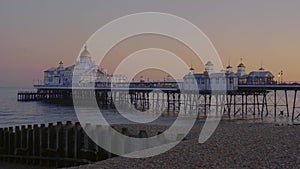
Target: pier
{"type": "Point", "coordinates": [258, 101]}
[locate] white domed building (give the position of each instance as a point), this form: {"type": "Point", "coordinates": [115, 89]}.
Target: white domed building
{"type": "Point", "coordinates": [83, 73]}
{"type": "Point", "coordinates": [260, 77]}
{"type": "Point", "coordinates": [213, 79]}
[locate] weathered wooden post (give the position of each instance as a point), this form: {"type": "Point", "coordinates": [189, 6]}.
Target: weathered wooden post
{"type": "Point", "coordinates": [101, 138]}
{"type": "Point", "coordinates": [24, 143]}
{"type": "Point", "coordinates": [23, 136]}
{"type": "Point", "coordinates": [5, 142]}
{"type": "Point", "coordinates": [11, 143]}
{"type": "Point", "coordinates": [61, 143]}
{"type": "Point", "coordinates": [30, 143]}
{"type": "Point", "coordinates": [52, 137]}
{"type": "Point", "coordinates": [114, 142]}
{"type": "Point", "coordinates": [89, 145]}
{"type": "Point", "coordinates": [52, 144]}
{"type": "Point", "coordinates": [36, 142]}
{"type": "Point", "coordinates": [43, 143]}
{"type": "Point", "coordinates": [1, 142]}
{"type": "Point", "coordinates": [180, 137]}
{"type": "Point", "coordinates": [127, 147]}
{"type": "Point", "coordinates": [69, 141]}
{"type": "Point", "coordinates": [161, 138]}
{"type": "Point", "coordinates": [77, 141]}
{"type": "Point", "coordinates": [144, 145]}
{"type": "Point", "coordinates": [17, 140]}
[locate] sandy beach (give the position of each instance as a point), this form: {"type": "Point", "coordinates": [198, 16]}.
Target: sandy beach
{"type": "Point", "coordinates": [235, 144]}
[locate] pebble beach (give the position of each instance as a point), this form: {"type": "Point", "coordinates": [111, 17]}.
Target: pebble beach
{"type": "Point", "coordinates": [234, 144]}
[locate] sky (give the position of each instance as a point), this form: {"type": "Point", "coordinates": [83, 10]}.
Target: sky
{"type": "Point", "coordinates": [37, 34]}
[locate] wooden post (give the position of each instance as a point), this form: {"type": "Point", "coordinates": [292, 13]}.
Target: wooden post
{"type": "Point", "coordinates": [287, 103]}
{"type": "Point", "coordinates": [103, 138]}
{"type": "Point", "coordinates": [69, 142]}
{"type": "Point", "coordinates": [266, 104]}
{"type": "Point", "coordinates": [234, 105]}
{"type": "Point", "coordinates": [262, 107]}
{"type": "Point", "coordinates": [36, 142]}
{"type": "Point", "coordinates": [11, 141]}
{"type": "Point", "coordinates": [29, 143]}
{"type": "Point", "coordinates": [43, 143]}
{"type": "Point", "coordinates": [294, 105]}
{"type": "Point", "coordinates": [1, 142]}
{"type": "Point", "coordinates": [79, 140]}
{"type": "Point", "coordinates": [17, 139]}
{"type": "Point", "coordinates": [243, 105]}
{"type": "Point", "coordinates": [6, 141]}
{"type": "Point", "coordinates": [275, 104]}
{"type": "Point", "coordinates": [143, 134]}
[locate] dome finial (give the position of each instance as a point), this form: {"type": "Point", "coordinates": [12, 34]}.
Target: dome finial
{"type": "Point", "coordinates": [241, 64]}
{"type": "Point", "coordinates": [85, 52]}
{"type": "Point", "coordinates": [209, 63]}
{"type": "Point", "coordinates": [191, 67]}
{"type": "Point", "coordinates": [261, 65]}
{"type": "Point", "coordinates": [229, 65]}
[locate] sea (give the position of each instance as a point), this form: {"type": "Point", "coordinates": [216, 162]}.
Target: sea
{"type": "Point", "coordinates": [14, 113]}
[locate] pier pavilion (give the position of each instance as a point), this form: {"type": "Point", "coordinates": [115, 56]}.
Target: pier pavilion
{"type": "Point", "coordinates": [255, 93]}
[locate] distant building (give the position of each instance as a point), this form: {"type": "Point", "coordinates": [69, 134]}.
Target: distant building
{"type": "Point", "coordinates": [83, 73]}
{"type": "Point", "coordinates": [210, 79]}
{"type": "Point", "coordinates": [260, 77]}
{"type": "Point", "coordinates": [241, 73]}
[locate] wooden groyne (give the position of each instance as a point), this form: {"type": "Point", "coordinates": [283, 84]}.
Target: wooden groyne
{"type": "Point", "coordinates": [59, 145]}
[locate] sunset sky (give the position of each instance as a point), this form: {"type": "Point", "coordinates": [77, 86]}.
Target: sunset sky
{"type": "Point", "coordinates": [37, 34]}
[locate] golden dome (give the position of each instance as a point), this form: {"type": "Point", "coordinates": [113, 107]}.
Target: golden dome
{"type": "Point", "coordinates": [241, 65]}
{"type": "Point", "coordinates": [85, 52]}
{"type": "Point", "coordinates": [205, 73]}
{"type": "Point", "coordinates": [228, 67]}
{"type": "Point", "coordinates": [209, 63]}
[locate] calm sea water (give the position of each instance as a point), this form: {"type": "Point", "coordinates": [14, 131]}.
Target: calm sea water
{"type": "Point", "coordinates": [14, 113]}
